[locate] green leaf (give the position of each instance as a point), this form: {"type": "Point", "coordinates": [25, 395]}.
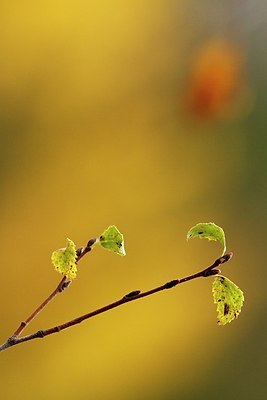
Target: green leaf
{"type": "Point", "coordinates": [64, 260]}
{"type": "Point", "coordinates": [210, 231]}
{"type": "Point", "coordinates": [228, 298]}
{"type": "Point", "coordinates": [112, 240]}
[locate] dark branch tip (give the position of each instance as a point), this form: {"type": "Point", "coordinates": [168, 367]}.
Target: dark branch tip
{"type": "Point", "coordinates": [79, 251]}
{"type": "Point", "coordinates": [64, 285]}
{"type": "Point", "coordinates": [211, 272]}
{"type": "Point", "coordinates": [171, 284]}
{"type": "Point", "coordinates": [225, 258]}
{"type": "Point", "coordinates": [90, 243]}
{"type": "Point", "coordinates": [134, 293]}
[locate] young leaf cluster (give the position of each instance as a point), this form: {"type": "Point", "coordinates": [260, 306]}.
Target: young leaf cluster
{"type": "Point", "coordinates": [227, 296]}
{"type": "Point", "coordinates": [64, 260]}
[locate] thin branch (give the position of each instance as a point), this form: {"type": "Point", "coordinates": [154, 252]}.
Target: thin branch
{"type": "Point", "coordinates": [134, 295]}
{"type": "Point", "coordinates": [60, 287]}
{"type": "Point", "coordinates": [63, 284]}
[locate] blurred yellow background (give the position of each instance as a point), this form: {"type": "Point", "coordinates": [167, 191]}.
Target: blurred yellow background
{"type": "Point", "coordinates": [150, 116]}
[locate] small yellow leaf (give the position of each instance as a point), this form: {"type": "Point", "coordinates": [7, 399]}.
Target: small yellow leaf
{"type": "Point", "coordinates": [64, 260]}
{"type": "Point", "coordinates": [112, 240]}
{"type": "Point", "coordinates": [228, 298]}
{"type": "Point", "coordinates": [210, 231]}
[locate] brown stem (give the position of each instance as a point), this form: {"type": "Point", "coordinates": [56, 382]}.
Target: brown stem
{"type": "Point", "coordinates": [63, 284]}
{"type": "Point", "coordinates": [135, 295]}
{"type": "Point", "coordinates": [60, 287]}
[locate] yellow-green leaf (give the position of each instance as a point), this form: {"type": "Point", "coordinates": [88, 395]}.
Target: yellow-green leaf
{"type": "Point", "coordinates": [210, 231]}
{"type": "Point", "coordinates": [112, 240]}
{"type": "Point", "coordinates": [228, 298]}
{"type": "Point", "coordinates": [64, 260]}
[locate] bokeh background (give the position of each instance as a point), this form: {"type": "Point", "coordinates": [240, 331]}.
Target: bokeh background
{"type": "Point", "coordinates": [150, 115]}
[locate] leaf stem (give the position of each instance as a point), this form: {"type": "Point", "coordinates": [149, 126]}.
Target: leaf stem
{"type": "Point", "coordinates": [134, 295]}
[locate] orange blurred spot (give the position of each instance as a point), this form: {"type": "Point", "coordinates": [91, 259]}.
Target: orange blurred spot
{"type": "Point", "coordinates": [215, 78]}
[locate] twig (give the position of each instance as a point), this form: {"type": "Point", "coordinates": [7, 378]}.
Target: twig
{"type": "Point", "coordinates": [60, 287]}
{"type": "Point", "coordinates": [63, 284]}
{"type": "Point", "coordinates": [134, 295]}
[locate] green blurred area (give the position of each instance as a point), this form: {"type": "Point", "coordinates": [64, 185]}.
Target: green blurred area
{"type": "Point", "coordinates": [106, 118]}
